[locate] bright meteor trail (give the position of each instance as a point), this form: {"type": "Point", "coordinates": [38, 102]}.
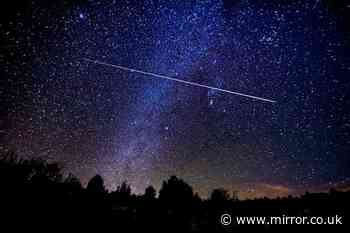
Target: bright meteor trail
{"type": "Point", "coordinates": [177, 80]}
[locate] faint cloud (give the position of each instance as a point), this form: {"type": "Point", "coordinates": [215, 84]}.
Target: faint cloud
{"type": "Point", "coordinates": [260, 190]}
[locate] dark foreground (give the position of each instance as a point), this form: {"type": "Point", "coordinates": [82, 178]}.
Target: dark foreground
{"type": "Point", "coordinates": [34, 194]}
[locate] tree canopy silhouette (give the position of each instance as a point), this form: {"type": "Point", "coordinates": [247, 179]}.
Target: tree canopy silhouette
{"type": "Point", "coordinates": [176, 192]}
{"type": "Point", "coordinates": [150, 193]}
{"type": "Point", "coordinates": [96, 185]}
{"type": "Point", "coordinates": [35, 190]}
{"type": "Point", "coordinates": [220, 195]}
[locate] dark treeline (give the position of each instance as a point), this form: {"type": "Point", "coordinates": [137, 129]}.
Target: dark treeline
{"type": "Point", "coordinates": [35, 193]}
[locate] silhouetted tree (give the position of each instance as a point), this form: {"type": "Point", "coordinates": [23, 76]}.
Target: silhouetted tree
{"type": "Point", "coordinates": [219, 195]}
{"type": "Point", "coordinates": [96, 185]}
{"type": "Point", "coordinates": [34, 189]}
{"type": "Point", "coordinates": [122, 194]}
{"type": "Point", "coordinates": [73, 183]}
{"type": "Point", "coordinates": [175, 189]}
{"type": "Point", "coordinates": [176, 192]}
{"type": "Point", "coordinates": [176, 198]}
{"type": "Point", "coordinates": [124, 191]}
{"type": "Point", "coordinates": [150, 193]}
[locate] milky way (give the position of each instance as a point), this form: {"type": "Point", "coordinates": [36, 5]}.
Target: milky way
{"type": "Point", "coordinates": [96, 119]}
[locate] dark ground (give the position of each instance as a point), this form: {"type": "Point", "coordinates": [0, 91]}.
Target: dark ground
{"type": "Point", "coordinates": [35, 194]}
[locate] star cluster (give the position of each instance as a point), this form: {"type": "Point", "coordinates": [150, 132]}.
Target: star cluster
{"type": "Point", "coordinates": [127, 126]}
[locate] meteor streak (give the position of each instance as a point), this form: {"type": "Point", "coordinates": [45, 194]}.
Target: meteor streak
{"type": "Point", "coordinates": [176, 80]}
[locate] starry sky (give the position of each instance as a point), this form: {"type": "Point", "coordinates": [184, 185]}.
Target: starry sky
{"type": "Point", "coordinates": [127, 126]}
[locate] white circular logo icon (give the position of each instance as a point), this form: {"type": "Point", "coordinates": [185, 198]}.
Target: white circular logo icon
{"type": "Point", "coordinates": [225, 219]}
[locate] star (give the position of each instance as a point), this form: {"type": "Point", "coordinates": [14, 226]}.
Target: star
{"type": "Point", "coordinates": [211, 102]}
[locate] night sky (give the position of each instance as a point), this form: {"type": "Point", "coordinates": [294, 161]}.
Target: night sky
{"type": "Point", "coordinates": [127, 126]}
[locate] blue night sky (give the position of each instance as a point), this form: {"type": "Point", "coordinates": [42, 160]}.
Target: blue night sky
{"type": "Point", "coordinates": [128, 126]}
